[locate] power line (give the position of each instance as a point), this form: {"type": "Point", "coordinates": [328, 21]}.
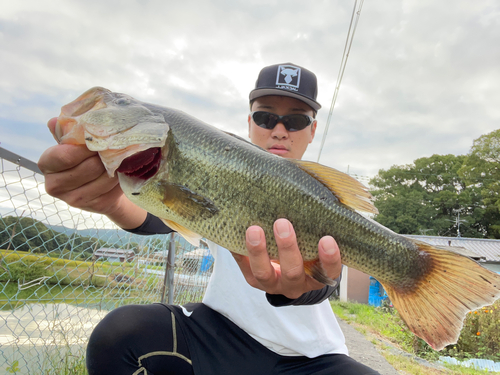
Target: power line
{"type": "Point", "coordinates": [343, 63]}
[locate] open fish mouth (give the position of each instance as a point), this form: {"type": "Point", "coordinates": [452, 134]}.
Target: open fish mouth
{"type": "Point", "coordinates": [127, 134]}
{"type": "Point", "coordinates": [142, 165]}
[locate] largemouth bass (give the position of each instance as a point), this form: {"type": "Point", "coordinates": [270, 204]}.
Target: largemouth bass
{"type": "Point", "coordinates": [207, 183]}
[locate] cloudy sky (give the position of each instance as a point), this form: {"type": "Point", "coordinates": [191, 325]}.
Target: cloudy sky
{"type": "Point", "coordinates": [422, 77]}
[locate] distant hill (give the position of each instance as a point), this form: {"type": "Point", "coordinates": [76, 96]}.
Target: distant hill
{"type": "Point", "coordinates": [112, 236]}
{"type": "Point", "coordinates": [104, 234]}
{"type": "Point", "coordinates": [118, 237]}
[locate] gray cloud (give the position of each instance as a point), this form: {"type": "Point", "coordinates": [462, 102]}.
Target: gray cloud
{"type": "Point", "coordinates": [421, 78]}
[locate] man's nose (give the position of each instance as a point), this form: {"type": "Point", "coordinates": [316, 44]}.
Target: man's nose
{"type": "Point", "coordinates": [280, 131]}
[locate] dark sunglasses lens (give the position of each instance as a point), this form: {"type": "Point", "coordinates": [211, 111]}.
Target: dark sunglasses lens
{"type": "Point", "coordinates": [297, 122]}
{"type": "Point", "coordinates": [292, 123]}
{"type": "Point", "coordinates": [264, 119]}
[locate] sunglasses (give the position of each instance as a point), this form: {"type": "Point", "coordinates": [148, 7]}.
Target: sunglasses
{"type": "Point", "coordinates": [292, 123]}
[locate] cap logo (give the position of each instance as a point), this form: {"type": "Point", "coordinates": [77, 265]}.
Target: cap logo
{"type": "Point", "coordinates": [288, 77]}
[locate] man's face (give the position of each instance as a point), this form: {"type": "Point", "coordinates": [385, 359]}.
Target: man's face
{"type": "Point", "coordinates": [280, 141]}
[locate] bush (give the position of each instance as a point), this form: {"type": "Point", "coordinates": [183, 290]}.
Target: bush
{"type": "Point", "coordinates": [480, 336]}
{"type": "Point", "coordinates": [24, 272]}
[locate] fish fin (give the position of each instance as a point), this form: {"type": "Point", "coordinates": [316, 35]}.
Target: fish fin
{"type": "Point", "coordinates": [187, 203]}
{"type": "Point", "coordinates": [314, 269]}
{"type": "Point", "coordinates": [189, 236]}
{"type": "Point", "coordinates": [348, 190]}
{"type": "Point", "coordinates": [435, 309]}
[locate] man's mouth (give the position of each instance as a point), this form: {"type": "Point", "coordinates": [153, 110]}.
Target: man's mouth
{"type": "Point", "coordinates": [278, 149]}
{"type": "Point", "coordinates": [142, 165]}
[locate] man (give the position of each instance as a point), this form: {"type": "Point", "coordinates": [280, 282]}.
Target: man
{"type": "Point", "coordinates": [258, 318]}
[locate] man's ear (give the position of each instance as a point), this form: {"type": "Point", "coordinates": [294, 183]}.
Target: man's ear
{"type": "Point", "coordinates": [249, 124]}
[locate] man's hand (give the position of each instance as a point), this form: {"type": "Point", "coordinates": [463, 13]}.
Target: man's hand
{"type": "Point", "coordinates": [288, 277]}
{"type": "Point", "coordinates": [77, 176]}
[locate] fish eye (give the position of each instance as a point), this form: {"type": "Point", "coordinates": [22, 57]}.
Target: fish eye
{"type": "Point", "coordinates": [122, 101]}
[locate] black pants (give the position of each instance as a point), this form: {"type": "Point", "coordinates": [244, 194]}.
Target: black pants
{"type": "Point", "coordinates": [163, 340]}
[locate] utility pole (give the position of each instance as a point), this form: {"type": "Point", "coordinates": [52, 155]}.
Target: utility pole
{"type": "Point", "coordinates": [458, 221]}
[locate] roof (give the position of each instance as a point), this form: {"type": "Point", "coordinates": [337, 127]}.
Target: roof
{"type": "Point", "coordinates": [109, 251]}
{"type": "Point", "coordinates": [198, 253]}
{"type": "Point", "coordinates": [486, 249]}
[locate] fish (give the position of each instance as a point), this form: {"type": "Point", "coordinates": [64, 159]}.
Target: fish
{"type": "Point", "coordinates": [206, 183]}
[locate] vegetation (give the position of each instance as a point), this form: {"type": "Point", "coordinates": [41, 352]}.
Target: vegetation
{"type": "Point", "coordinates": [481, 170]}
{"type": "Point", "coordinates": [428, 196]}
{"type": "Point", "coordinates": [69, 364]}
{"type": "Point", "coordinates": [68, 281]}
{"type": "Point", "coordinates": [480, 337]}
{"type": "Point", "coordinates": [30, 235]}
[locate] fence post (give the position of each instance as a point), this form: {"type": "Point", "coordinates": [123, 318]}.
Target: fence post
{"type": "Point", "coordinates": [168, 282]}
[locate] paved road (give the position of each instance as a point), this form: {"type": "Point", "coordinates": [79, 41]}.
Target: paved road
{"type": "Point", "coordinates": [364, 351]}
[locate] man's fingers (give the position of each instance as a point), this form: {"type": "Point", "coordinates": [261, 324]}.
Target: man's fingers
{"type": "Point", "coordinates": [93, 194]}
{"type": "Point", "coordinates": [51, 124]}
{"type": "Point", "coordinates": [91, 169]}
{"type": "Point", "coordinates": [329, 254]}
{"type": "Point", "coordinates": [259, 260]}
{"type": "Point", "coordinates": [291, 262]}
{"type": "Point", "coordinates": [63, 157]}
{"type": "Point", "coordinates": [244, 264]}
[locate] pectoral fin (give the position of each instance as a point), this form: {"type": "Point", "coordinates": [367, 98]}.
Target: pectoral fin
{"type": "Point", "coordinates": [314, 269]}
{"type": "Point", "coordinates": [348, 190]}
{"type": "Point", "coordinates": [189, 236]}
{"type": "Point", "coordinates": [187, 203]}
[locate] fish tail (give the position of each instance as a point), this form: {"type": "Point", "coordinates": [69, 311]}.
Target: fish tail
{"type": "Point", "coordinates": [435, 309]}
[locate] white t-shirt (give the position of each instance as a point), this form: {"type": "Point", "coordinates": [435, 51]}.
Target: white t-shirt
{"type": "Point", "coordinates": [309, 331]}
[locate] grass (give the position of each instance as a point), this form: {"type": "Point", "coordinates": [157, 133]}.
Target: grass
{"type": "Point", "coordinates": [54, 364]}
{"type": "Point", "coordinates": [70, 281]}
{"type": "Point", "coordinates": [378, 322]}
{"type": "Point", "coordinates": [69, 365]}
{"type": "Point", "coordinates": [387, 331]}
{"type": "Point", "coordinates": [409, 366]}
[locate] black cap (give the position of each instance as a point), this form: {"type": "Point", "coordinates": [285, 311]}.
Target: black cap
{"type": "Point", "coordinates": [287, 80]}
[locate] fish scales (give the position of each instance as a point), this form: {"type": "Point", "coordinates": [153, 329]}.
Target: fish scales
{"type": "Point", "coordinates": [216, 185]}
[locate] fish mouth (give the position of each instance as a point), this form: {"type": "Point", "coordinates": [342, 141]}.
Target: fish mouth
{"type": "Point", "coordinates": [142, 165]}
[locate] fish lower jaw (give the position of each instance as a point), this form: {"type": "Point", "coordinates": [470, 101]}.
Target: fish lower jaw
{"type": "Point", "coordinates": [131, 185]}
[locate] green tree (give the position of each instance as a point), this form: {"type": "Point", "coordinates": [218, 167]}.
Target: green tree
{"type": "Point", "coordinates": [426, 197]}
{"type": "Point", "coordinates": [27, 234]}
{"type": "Point", "coordinates": [481, 172]}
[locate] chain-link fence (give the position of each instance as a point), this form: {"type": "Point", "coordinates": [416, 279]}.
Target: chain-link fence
{"type": "Point", "coordinates": [63, 269]}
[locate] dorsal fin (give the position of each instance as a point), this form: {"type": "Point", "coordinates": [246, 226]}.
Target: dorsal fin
{"type": "Point", "coordinates": [189, 236]}
{"type": "Point", "coordinates": [348, 190]}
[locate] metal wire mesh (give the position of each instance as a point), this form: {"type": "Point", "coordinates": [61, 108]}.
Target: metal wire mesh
{"type": "Point", "coordinates": [63, 269]}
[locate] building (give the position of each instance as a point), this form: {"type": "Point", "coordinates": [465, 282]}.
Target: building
{"type": "Point", "coordinates": [483, 250]}
{"type": "Point", "coordinates": [356, 285]}
{"type": "Point", "coordinates": [114, 255]}
{"type": "Point", "coordinates": [197, 261]}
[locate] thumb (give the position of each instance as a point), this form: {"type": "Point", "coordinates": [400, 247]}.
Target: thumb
{"type": "Point", "coordinates": [51, 124]}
